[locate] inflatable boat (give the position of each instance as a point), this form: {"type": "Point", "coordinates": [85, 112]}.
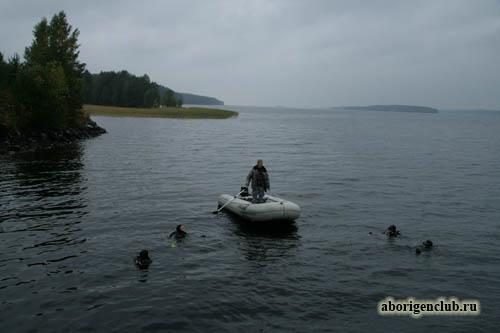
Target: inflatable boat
{"type": "Point", "coordinates": [272, 209]}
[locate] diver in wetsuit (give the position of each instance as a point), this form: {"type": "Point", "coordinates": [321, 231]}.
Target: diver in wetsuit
{"type": "Point", "coordinates": [180, 232]}
{"type": "Point", "coordinates": [142, 261]}
{"type": "Point", "coordinates": [392, 231]}
{"type": "Point", "coordinates": [426, 246]}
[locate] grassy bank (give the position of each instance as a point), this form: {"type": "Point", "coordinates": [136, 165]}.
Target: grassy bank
{"type": "Point", "coordinates": [170, 112]}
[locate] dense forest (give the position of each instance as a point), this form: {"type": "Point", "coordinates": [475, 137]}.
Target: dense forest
{"type": "Point", "coordinates": [127, 90]}
{"type": "Point", "coordinates": [44, 90]}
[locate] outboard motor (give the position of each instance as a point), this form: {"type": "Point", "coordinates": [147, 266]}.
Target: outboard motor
{"type": "Point", "coordinates": [244, 191]}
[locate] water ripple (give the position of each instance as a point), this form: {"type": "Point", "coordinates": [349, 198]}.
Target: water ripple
{"type": "Point", "coordinates": [72, 220]}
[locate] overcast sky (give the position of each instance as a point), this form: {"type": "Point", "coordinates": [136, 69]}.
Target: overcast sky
{"type": "Point", "coordinates": [438, 53]}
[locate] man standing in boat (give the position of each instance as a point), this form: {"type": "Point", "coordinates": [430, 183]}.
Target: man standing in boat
{"type": "Point", "coordinates": [260, 181]}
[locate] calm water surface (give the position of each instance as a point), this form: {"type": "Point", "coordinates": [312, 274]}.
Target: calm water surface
{"type": "Point", "coordinates": [71, 221]}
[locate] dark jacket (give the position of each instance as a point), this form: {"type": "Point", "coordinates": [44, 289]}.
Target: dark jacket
{"type": "Point", "coordinates": [259, 178]}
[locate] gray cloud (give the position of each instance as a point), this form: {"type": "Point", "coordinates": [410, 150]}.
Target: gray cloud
{"type": "Point", "coordinates": [293, 53]}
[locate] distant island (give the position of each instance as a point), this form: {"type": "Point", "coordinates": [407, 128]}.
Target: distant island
{"type": "Point", "coordinates": [390, 108]}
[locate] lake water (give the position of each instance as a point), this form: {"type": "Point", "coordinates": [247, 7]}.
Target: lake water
{"type": "Point", "coordinates": [72, 221]}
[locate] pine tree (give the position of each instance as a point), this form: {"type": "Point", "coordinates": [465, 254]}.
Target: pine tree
{"type": "Point", "coordinates": [55, 48]}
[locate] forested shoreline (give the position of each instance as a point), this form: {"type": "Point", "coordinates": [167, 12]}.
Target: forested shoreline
{"type": "Point", "coordinates": [41, 94]}
{"type": "Point", "coordinates": [126, 90]}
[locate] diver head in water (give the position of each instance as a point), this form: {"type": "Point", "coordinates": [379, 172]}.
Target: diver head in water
{"type": "Point", "coordinates": [142, 260]}
{"type": "Point", "coordinates": [427, 244]}
{"type": "Point", "coordinates": [392, 231]}
{"type": "Point", "coordinates": [180, 232]}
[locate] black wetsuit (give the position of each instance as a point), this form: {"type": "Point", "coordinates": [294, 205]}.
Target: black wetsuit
{"type": "Point", "coordinates": [178, 234]}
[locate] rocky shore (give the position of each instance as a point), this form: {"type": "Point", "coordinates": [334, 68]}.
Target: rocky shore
{"type": "Point", "coordinates": [17, 142]}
